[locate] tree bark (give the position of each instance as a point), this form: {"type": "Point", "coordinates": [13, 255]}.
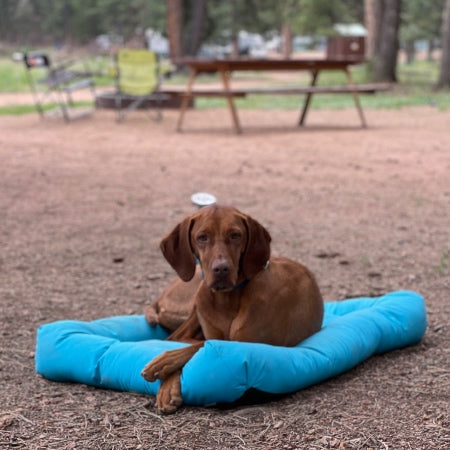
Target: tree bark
{"type": "Point", "coordinates": [197, 26]}
{"type": "Point", "coordinates": [67, 25]}
{"type": "Point", "coordinates": [373, 11]}
{"type": "Point", "coordinates": [410, 51]}
{"type": "Point", "coordinates": [286, 32]}
{"type": "Point", "coordinates": [444, 72]}
{"type": "Point", "coordinates": [234, 30]}
{"type": "Point", "coordinates": [386, 59]}
{"type": "Point", "coordinates": [174, 28]}
{"type": "Point", "coordinates": [430, 49]}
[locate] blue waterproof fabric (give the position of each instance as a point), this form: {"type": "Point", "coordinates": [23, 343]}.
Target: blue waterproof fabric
{"type": "Point", "coordinates": [111, 352]}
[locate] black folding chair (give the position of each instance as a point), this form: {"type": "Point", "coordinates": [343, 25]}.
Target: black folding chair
{"type": "Point", "coordinates": [55, 85]}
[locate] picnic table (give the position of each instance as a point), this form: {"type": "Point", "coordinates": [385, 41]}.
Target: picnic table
{"type": "Point", "coordinates": [226, 67]}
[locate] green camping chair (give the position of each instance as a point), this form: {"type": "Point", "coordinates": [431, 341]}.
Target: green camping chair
{"type": "Point", "coordinates": [53, 86]}
{"type": "Point", "coordinates": [138, 80]}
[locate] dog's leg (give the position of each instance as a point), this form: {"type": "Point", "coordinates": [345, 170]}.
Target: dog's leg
{"type": "Point", "coordinates": [169, 399]}
{"type": "Point", "coordinates": [167, 367]}
{"type": "Point", "coordinates": [151, 314]}
{"type": "Point", "coordinates": [169, 362]}
{"type": "Point", "coordinates": [189, 330]}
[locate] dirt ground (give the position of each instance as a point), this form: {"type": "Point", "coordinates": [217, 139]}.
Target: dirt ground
{"type": "Point", "coordinates": [84, 205]}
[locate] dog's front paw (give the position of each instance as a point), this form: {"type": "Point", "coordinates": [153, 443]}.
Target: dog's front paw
{"type": "Point", "coordinates": [170, 361]}
{"type": "Point", "coordinates": [158, 368]}
{"type": "Point", "coordinates": [168, 399]}
{"type": "Point", "coordinates": [150, 372]}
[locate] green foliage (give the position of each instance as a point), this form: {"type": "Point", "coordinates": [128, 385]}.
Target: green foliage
{"type": "Point", "coordinates": [79, 21]}
{"type": "Point", "coordinates": [421, 19]}
{"type": "Point", "coordinates": [317, 17]}
{"type": "Point", "coordinates": [125, 18]}
{"type": "Point", "coordinates": [76, 21]}
{"type": "Point", "coordinates": [227, 18]}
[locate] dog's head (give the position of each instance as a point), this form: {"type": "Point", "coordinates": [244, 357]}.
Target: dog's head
{"type": "Point", "coordinates": [228, 244]}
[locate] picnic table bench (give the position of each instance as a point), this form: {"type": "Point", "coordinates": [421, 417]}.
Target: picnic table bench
{"type": "Point", "coordinates": [225, 68]}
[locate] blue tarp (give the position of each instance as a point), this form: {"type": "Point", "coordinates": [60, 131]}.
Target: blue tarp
{"type": "Point", "coordinates": [111, 352]}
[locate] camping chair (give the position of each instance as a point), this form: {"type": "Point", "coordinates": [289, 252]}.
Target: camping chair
{"type": "Point", "coordinates": [57, 85]}
{"type": "Point", "coordinates": [137, 82]}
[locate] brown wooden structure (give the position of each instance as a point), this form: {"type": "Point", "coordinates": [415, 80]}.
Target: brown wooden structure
{"type": "Point", "coordinates": [226, 67]}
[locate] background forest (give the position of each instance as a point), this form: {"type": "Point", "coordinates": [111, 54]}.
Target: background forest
{"type": "Point", "coordinates": [189, 24]}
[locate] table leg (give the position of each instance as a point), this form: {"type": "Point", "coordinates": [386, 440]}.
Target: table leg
{"type": "Point", "coordinates": [186, 98]}
{"type": "Point", "coordinates": [356, 98]}
{"type": "Point", "coordinates": [301, 121]}
{"type": "Point", "coordinates": [226, 84]}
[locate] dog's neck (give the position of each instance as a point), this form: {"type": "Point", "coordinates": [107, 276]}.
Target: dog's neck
{"type": "Point", "coordinates": [241, 284]}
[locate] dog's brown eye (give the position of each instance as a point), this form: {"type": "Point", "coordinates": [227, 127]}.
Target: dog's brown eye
{"type": "Point", "coordinates": [235, 236]}
{"type": "Point", "coordinates": [202, 238]}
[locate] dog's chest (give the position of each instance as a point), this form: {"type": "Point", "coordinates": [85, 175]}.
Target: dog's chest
{"type": "Point", "coordinates": [216, 313]}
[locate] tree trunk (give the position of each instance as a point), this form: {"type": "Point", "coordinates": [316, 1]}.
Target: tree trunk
{"type": "Point", "coordinates": [286, 32]}
{"type": "Point", "coordinates": [444, 73]}
{"type": "Point", "coordinates": [430, 49]}
{"type": "Point", "coordinates": [197, 26]}
{"type": "Point", "coordinates": [234, 29]}
{"type": "Point", "coordinates": [386, 59]}
{"type": "Point", "coordinates": [410, 51]}
{"type": "Point", "coordinates": [174, 28]}
{"type": "Point", "coordinates": [373, 10]}
{"type": "Point", "coordinates": [67, 26]}
{"type": "Point", "coordinates": [234, 46]}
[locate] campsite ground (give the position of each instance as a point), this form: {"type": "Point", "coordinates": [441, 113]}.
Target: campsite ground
{"type": "Point", "coordinates": [84, 205]}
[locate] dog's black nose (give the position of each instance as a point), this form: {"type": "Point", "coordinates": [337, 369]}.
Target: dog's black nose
{"type": "Point", "coordinates": [221, 268]}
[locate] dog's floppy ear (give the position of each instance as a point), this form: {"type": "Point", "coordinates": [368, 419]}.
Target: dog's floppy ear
{"type": "Point", "coordinates": [176, 248]}
{"type": "Point", "coordinates": [257, 251]}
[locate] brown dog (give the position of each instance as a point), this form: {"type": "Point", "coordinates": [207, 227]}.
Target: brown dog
{"type": "Point", "coordinates": [240, 293]}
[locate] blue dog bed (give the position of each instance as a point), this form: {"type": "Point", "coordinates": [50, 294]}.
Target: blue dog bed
{"type": "Point", "coordinates": [111, 352]}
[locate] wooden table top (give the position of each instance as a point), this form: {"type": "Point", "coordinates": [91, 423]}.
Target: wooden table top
{"type": "Point", "coordinates": [216, 65]}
